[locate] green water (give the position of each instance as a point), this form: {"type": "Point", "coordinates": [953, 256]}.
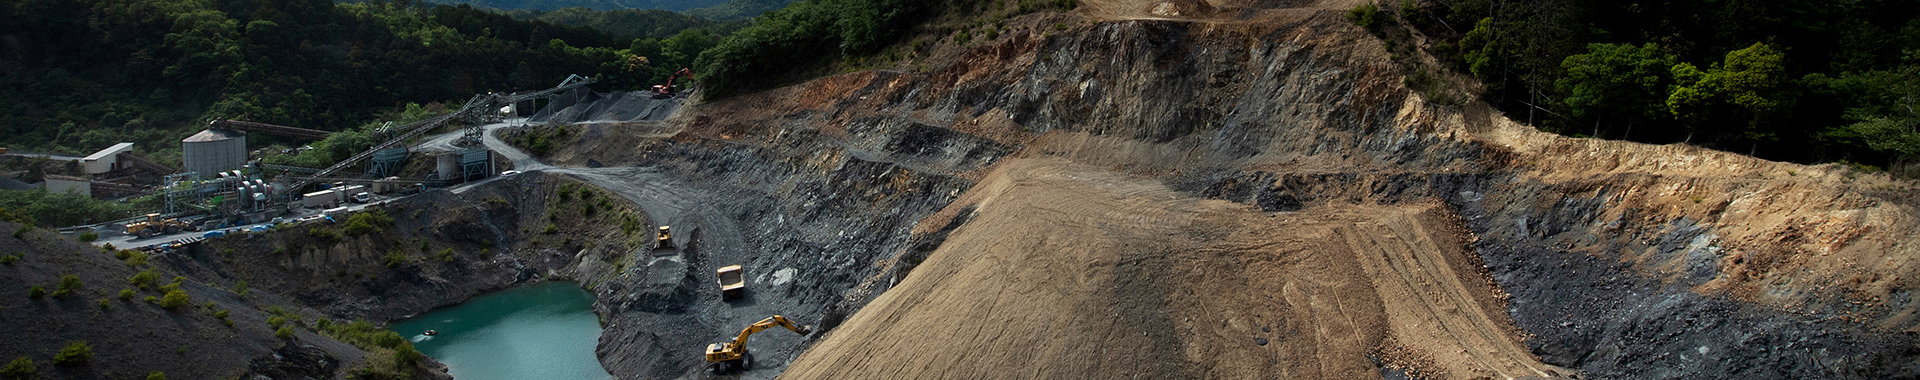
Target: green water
{"type": "Point", "coordinates": [540, 331]}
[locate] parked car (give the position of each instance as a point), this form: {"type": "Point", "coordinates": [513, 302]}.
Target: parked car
{"type": "Point", "coordinates": [213, 234]}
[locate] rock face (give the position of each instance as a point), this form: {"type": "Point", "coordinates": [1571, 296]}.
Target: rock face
{"type": "Point", "coordinates": [1187, 178]}
{"type": "Point", "coordinates": [132, 337]}
{"type": "Point", "coordinates": [1613, 259]}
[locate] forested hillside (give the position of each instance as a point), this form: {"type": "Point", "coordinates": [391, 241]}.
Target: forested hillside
{"type": "Point", "coordinates": [630, 23]}
{"type": "Point", "coordinates": [1799, 80]}
{"type": "Point", "coordinates": [738, 9]}
{"type": "Point", "coordinates": [78, 75]}
{"type": "Point", "coordinates": [721, 10]}
{"type": "Point", "coordinates": [548, 5]}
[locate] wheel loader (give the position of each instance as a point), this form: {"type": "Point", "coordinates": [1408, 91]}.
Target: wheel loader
{"type": "Point", "coordinates": [155, 226]}
{"type": "Point", "coordinates": [728, 356]}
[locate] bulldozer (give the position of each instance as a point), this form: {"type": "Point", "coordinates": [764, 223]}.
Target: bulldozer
{"type": "Point", "coordinates": [666, 239]}
{"type": "Point", "coordinates": [155, 226]}
{"type": "Point", "coordinates": [726, 356]}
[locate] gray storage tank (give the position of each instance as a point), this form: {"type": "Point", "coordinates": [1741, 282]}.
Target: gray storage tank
{"type": "Point", "coordinates": [214, 151]}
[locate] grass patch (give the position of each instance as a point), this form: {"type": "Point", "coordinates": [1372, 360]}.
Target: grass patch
{"type": "Point", "coordinates": [367, 222]}
{"type": "Point", "coordinates": [389, 355]}
{"type": "Point", "coordinates": [325, 234]}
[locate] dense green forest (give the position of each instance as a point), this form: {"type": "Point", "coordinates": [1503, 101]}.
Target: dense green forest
{"type": "Point", "coordinates": [816, 36]}
{"type": "Point", "coordinates": [548, 5]}
{"type": "Point", "coordinates": [78, 75]}
{"type": "Point", "coordinates": [727, 10]}
{"type": "Point", "coordinates": [1796, 80]}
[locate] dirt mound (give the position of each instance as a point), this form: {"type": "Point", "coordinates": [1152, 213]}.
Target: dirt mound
{"type": "Point", "coordinates": [1063, 272]}
{"type": "Point", "coordinates": [582, 105]}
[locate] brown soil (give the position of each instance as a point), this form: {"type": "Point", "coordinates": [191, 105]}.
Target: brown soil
{"type": "Point", "coordinates": [1064, 271]}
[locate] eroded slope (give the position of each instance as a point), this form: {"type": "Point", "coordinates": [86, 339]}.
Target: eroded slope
{"type": "Point", "coordinates": [1062, 271]}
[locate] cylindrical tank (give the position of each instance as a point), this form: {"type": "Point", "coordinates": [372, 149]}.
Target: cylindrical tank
{"type": "Point", "coordinates": [448, 165]}
{"type": "Point", "coordinates": [214, 151]}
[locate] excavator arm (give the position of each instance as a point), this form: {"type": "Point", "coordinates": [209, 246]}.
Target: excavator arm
{"type": "Point", "coordinates": [682, 73]}
{"type": "Point", "coordinates": [665, 90]}
{"type": "Point", "coordinates": [736, 351]}
{"type": "Point", "coordinates": [741, 341]}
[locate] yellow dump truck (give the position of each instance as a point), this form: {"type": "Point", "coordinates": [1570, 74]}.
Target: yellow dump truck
{"type": "Point", "coordinates": [733, 281]}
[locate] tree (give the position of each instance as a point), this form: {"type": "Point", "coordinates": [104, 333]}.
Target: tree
{"type": "Point", "coordinates": [174, 299]}
{"type": "Point", "coordinates": [1616, 80]}
{"type": "Point", "coordinates": [1691, 100]}
{"type": "Point", "coordinates": [1750, 84]}
{"type": "Point", "coordinates": [75, 354]}
{"type": "Point", "coordinates": [68, 284]}
{"type": "Point", "coordinates": [20, 369]}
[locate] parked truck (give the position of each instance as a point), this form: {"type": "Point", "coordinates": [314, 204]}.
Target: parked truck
{"type": "Point", "coordinates": [331, 197]}
{"type": "Point", "coordinates": [320, 199]}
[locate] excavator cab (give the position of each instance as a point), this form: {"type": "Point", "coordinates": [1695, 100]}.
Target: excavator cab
{"type": "Point", "coordinates": [732, 355]}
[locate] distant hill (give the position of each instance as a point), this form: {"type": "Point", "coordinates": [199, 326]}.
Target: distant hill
{"type": "Point", "coordinates": [548, 5]}
{"type": "Point", "coordinates": [718, 10]}
{"type": "Point", "coordinates": [739, 9]}
{"type": "Point", "coordinates": [630, 23]}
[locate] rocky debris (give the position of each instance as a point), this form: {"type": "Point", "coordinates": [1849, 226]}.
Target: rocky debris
{"type": "Point", "coordinates": [132, 337]}
{"type": "Point", "coordinates": [582, 105]}
{"type": "Point", "coordinates": [1298, 112]}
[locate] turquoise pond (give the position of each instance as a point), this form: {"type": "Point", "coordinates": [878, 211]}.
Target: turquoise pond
{"type": "Point", "coordinates": [540, 331]}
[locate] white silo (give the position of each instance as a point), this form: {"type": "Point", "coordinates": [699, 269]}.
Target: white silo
{"type": "Point", "coordinates": [214, 151]}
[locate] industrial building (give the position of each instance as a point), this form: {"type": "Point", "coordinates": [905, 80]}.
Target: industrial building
{"type": "Point", "coordinates": [105, 160]}
{"type": "Point", "coordinates": [214, 151]}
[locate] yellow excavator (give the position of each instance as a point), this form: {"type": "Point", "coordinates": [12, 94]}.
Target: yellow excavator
{"type": "Point", "coordinates": [725, 356]}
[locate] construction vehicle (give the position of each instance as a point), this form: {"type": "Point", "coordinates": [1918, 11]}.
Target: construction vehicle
{"type": "Point", "coordinates": [721, 357]}
{"type": "Point", "coordinates": [154, 226]}
{"type": "Point", "coordinates": [663, 91]}
{"type": "Point", "coordinates": [665, 240]}
{"type": "Point", "coordinates": [732, 281]}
